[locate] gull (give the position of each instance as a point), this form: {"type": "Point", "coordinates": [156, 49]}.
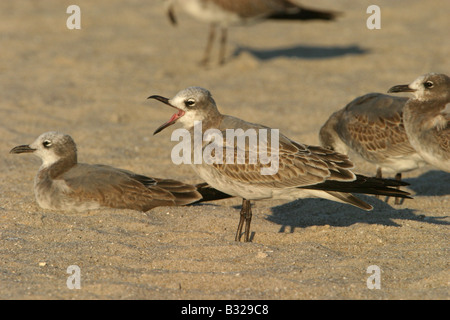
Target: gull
{"type": "Point", "coordinates": [426, 118]}
{"type": "Point", "coordinates": [303, 170]}
{"type": "Point", "coordinates": [226, 13]}
{"type": "Point", "coordinates": [372, 127]}
{"type": "Point", "coordinates": [62, 183]}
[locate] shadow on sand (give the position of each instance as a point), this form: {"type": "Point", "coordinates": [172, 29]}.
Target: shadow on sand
{"type": "Point", "coordinates": [318, 212]}
{"type": "Point", "coordinates": [303, 52]}
{"type": "Point", "coordinates": [431, 183]}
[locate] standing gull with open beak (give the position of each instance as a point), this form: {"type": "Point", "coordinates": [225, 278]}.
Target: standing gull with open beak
{"type": "Point", "coordinates": [303, 171]}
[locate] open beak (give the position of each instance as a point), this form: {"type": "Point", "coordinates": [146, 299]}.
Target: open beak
{"type": "Point", "coordinates": [401, 88]}
{"type": "Point", "coordinates": [22, 149]}
{"type": "Point", "coordinates": [172, 119]}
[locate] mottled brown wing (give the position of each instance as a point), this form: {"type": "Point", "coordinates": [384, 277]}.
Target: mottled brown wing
{"type": "Point", "coordinates": [372, 125]}
{"type": "Point", "coordinates": [114, 188]}
{"type": "Point", "coordinates": [443, 139]}
{"type": "Point", "coordinates": [442, 130]}
{"type": "Point", "coordinates": [299, 165]}
{"type": "Point", "coordinates": [184, 193]}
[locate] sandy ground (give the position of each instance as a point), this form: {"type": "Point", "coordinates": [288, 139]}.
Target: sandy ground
{"type": "Point", "coordinates": [93, 84]}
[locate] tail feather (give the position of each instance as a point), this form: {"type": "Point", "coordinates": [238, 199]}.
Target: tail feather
{"type": "Point", "coordinates": [301, 13]}
{"type": "Point", "coordinates": [174, 185]}
{"type": "Point", "coordinates": [209, 193]}
{"type": "Point", "coordinates": [183, 193]}
{"type": "Point", "coordinates": [365, 185]}
{"type": "Point", "coordinates": [351, 199]}
{"type": "Point", "coordinates": [185, 198]}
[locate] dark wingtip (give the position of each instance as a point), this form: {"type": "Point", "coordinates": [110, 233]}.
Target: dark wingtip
{"type": "Point", "coordinates": [209, 193]}
{"type": "Point", "coordinates": [366, 185]}
{"type": "Point", "coordinates": [306, 14]}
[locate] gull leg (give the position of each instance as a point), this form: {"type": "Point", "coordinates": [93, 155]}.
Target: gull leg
{"type": "Point", "coordinates": [245, 216]}
{"type": "Point", "coordinates": [209, 43]}
{"type": "Point", "coordinates": [398, 177]}
{"type": "Point", "coordinates": [241, 222]}
{"type": "Point", "coordinates": [378, 175]}
{"type": "Point", "coordinates": [223, 42]}
{"type": "Point", "coordinates": [248, 220]}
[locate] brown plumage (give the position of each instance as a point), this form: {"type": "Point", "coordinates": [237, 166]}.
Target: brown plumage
{"type": "Point", "coordinates": [64, 184]}
{"type": "Point", "coordinates": [372, 127]}
{"type": "Point", "coordinates": [427, 118]}
{"type": "Point", "coordinates": [299, 171]}
{"type": "Point", "coordinates": [226, 13]}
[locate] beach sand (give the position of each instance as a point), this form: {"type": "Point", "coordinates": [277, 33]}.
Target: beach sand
{"type": "Point", "coordinates": [93, 84]}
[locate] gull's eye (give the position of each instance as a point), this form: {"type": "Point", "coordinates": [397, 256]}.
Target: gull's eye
{"type": "Point", "coordinates": [428, 84]}
{"type": "Point", "coordinates": [47, 144]}
{"type": "Point", "coordinates": [189, 102]}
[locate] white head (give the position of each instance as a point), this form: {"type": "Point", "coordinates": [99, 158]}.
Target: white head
{"type": "Point", "coordinates": [431, 86]}
{"type": "Point", "coordinates": [51, 147]}
{"type": "Point", "coordinates": [193, 104]}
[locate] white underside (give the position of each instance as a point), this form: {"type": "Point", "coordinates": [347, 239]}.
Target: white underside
{"type": "Point", "coordinates": [402, 164]}
{"type": "Point", "coordinates": [211, 13]}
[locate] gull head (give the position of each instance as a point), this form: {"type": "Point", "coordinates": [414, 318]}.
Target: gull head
{"type": "Point", "coordinates": [51, 147]}
{"type": "Point", "coordinates": [192, 104]}
{"type": "Point", "coordinates": [431, 86]}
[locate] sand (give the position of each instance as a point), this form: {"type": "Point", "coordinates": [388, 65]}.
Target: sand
{"type": "Point", "coordinates": [93, 84]}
